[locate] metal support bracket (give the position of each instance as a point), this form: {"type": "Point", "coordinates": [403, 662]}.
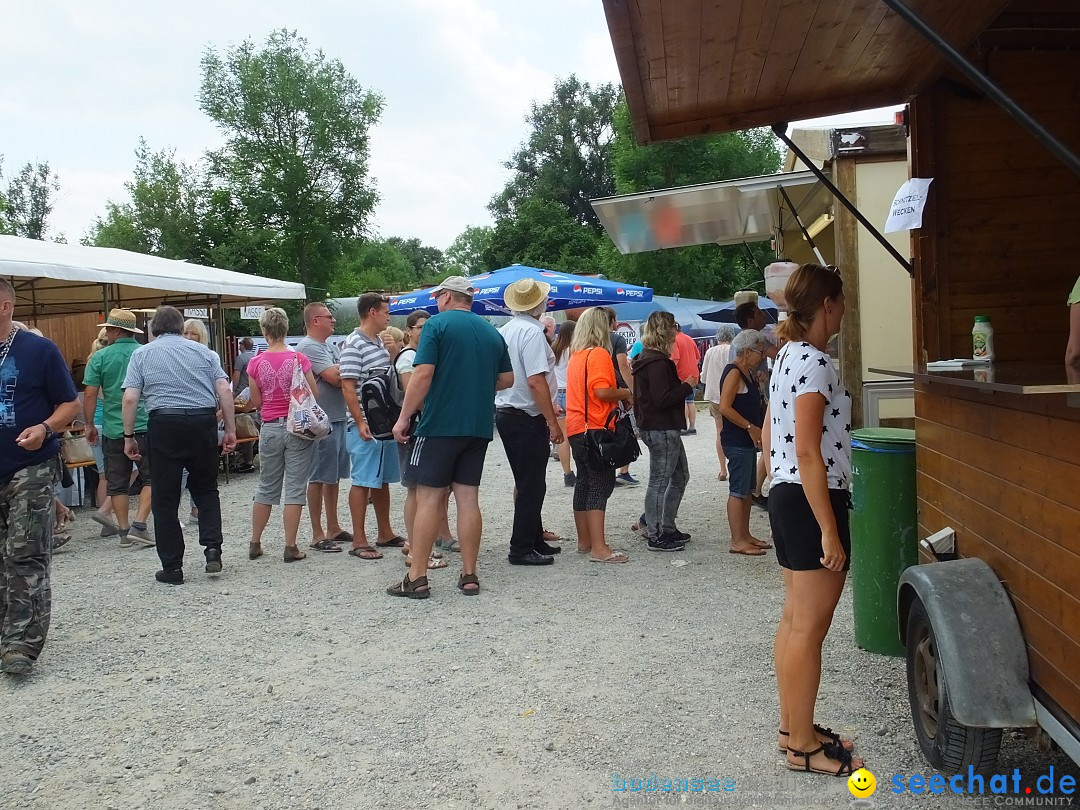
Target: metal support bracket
{"type": "Point", "coordinates": [1037, 130]}
{"type": "Point", "coordinates": [780, 129]}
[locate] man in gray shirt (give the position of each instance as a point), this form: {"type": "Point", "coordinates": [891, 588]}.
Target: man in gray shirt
{"type": "Point", "coordinates": [184, 386]}
{"type": "Point", "coordinates": [330, 459]}
{"type": "Point", "coordinates": [240, 364]}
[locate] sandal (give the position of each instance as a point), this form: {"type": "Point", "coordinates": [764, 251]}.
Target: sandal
{"type": "Point", "coordinates": [834, 738]}
{"type": "Point", "coordinates": [411, 589]}
{"type": "Point", "coordinates": [326, 544]}
{"type": "Point", "coordinates": [448, 544]}
{"type": "Point", "coordinates": [613, 557]}
{"type": "Point", "coordinates": [468, 579]}
{"type": "Point", "coordinates": [60, 540]}
{"type": "Point", "coordinates": [342, 537]}
{"type": "Point", "coordinates": [254, 551]}
{"type": "Point", "coordinates": [433, 562]}
{"type": "Point", "coordinates": [365, 553]}
{"type": "Point", "coordinates": [397, 541]}
{"type": "Point", "coordinates": [832, 751]}
{"type": "Point", "coordinates": [292, 554]}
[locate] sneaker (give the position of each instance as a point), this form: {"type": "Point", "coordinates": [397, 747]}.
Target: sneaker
{"type": "Point", "coordinates": [174, 577]}
{"type": "Point", "coordinates": [140, 536]}
{"type": "Point", "coordinates": [16, 663]}
{"type": "Point", "coordinates": [666, 543]}
{"type": "Point", "coordinates": [626, 480]}
{"type": "Point", "coordinates": [682, 537]}
{"type": "Point", "coordinates": [688, 431]}
{"type": "Point", "coordinates": [570, 479]}
{"type": "Point", "coordinates": [760, 501]}
{"type": "Point", "coordinates": [125, 541]}
{"type": "Point", "coordinates": [107, 532]}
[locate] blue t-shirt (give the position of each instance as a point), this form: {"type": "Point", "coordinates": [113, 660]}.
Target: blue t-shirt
{"type": "Point", "coordinates": [468, 354]}
{"type": "Point", "coordinates": [34, 380]}
{"type": "Point", "coordinates": [636, 349]}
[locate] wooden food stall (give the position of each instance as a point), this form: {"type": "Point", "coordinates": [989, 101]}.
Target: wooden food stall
{"type": "Point", "coordinates": [993, 88]}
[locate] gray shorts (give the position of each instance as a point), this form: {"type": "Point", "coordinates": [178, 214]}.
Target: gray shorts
{"type": "Point", "coordinates": [330, 460]}
{"type": "Point", "coordinates": [285, 461]}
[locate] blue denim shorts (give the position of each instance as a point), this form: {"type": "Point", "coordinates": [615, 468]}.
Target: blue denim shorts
{"type": "Point", "coordinates": [742, 467]}
{"type": "Point", "coordinates": [560, 398]}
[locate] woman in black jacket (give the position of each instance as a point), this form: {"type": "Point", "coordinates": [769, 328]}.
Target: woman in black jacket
{"type": "Point", "coordinates": [659, 396]}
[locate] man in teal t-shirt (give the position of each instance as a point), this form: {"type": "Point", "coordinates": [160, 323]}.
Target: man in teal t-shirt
{"type": "Point", "coordinates": [105, 374]}
{"type": "Point", "coordinates": [459, 365]}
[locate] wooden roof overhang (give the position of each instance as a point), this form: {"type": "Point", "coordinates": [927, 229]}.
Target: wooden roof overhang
{"type": "Point", "coordinates": [692, 67]}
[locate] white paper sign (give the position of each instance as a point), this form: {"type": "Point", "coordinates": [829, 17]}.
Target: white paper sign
{"type": "Point", "coordinates": [197, 313]}
{"type": "Point", "coordinates": [251, 313]}
{"type": "Point", "coordinates": [906, 211]}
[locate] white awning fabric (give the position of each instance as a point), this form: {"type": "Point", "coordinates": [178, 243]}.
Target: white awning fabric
{"type": "Point", "coordinates": [57, 279]}
{"type": "Point", "coordinates": [725, 213]}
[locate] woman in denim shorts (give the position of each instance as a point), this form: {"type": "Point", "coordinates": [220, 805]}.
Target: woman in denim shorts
{"type": "Point", "coordinates": [740, 436]}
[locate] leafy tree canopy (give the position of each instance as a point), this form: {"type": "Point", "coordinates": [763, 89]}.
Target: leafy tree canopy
{"type": "Point", "coordinates": [296, 153]}
{"type": "Point", "coordinates": [567, 156]}
{"type": "Point", "coordinates": [27, 202]}
{"type": "Point", "coordinates": [465, 254]}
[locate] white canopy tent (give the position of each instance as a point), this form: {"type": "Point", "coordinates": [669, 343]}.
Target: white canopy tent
{"type": "Point", "coordinates": [57, 279]}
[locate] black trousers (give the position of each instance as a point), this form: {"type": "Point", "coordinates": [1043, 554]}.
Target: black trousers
{"type": "Point", "coordinates": [179, 442]}
{"type": "Point", "coordinates": [525, 439]}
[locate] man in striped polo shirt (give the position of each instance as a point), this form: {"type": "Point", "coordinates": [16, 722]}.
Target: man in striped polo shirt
{"type": "Point", "coordinates": [374, 461]}
{"type": "Point", "coordinates": [184, 386]}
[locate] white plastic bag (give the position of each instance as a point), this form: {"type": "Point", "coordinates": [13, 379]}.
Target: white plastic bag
{"type": "Point", "coordinates": [306, 419]}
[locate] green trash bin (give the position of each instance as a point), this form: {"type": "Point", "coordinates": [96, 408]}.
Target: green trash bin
{"type": "Point", "coordinates": [883, 531]}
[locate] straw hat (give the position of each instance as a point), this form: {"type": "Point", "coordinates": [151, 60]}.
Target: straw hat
{"type": "Point", "coordinates": [123, 319]}
{"type": "Point", "coordinates": [525, 294]}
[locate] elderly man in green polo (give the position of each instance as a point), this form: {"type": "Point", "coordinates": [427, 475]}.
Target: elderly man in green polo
{"type": "Point", "coordinates": [104, 376]}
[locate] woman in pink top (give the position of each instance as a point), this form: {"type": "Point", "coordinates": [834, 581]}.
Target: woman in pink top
{"type": "Point", "coordinates": [284, 459]}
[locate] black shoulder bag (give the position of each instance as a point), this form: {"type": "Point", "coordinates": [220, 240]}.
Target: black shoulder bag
{"type": "Point", "coordinates": [613, 445]}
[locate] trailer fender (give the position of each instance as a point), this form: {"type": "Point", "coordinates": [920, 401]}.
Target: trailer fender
{"type": "Point", "coordinates": [979, 644]}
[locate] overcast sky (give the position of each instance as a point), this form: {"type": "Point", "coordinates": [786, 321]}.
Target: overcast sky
{"type": "Point", "coordinates": [85, 79]}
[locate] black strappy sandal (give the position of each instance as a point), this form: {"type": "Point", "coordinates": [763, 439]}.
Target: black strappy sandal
{"type": "Point", "coordinates": [832, 751]}
{"type": "Point", "coordinates": [827, 732]}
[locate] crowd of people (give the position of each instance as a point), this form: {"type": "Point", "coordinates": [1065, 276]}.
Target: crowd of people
{"type": "Point", "coordinates": [162, 413]}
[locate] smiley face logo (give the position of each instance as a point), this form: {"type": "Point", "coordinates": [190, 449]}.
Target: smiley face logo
{"type": "Point", "coordinates": [862, 784]}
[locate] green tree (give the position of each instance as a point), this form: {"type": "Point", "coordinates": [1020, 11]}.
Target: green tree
{"type": "Point", "coordinates": [296, 153]}
{"type": "Point", "coordinates": [543, 234]}
{"type": "Point", "coordinates": [428, 263]}
{"type": "Point", "coordinates": [701, 270]}
{"type": "Point", "coordinates": [567, 156]}
{"type": "Point", "coordinates": [27, 202]}
{"type": "Point", "coordinates": [372, 266]}
{"type": "Point", "coordinates": [466, 254]}
{"type": "Point", "coordinates": [163, 213]}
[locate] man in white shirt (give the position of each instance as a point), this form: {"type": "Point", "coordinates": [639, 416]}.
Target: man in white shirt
{"type": "Point", "coordinates": [525, 418]}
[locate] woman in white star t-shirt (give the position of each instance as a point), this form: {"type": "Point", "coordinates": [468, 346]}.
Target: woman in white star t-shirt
{"type": "Point", "coordinates": [807, 447]}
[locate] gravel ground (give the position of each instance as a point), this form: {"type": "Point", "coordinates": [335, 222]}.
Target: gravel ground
{"type": "Point", "coordinates": [305, 686]}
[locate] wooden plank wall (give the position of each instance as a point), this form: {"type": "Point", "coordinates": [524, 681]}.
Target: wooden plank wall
{"type": "Point", "coordinates": [1003, 472]}
{"type": "Point", "coordinates": [72, 333]}
{"type": "Point", "coordinates": [998, 237]}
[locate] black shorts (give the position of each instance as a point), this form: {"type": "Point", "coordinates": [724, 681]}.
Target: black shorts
{"type": "Point", "coordinates": [795, 531]}
{"type": "Point", "coordinates": [118, 466]}
{"type": "Point", "coordinates": [439, 461]}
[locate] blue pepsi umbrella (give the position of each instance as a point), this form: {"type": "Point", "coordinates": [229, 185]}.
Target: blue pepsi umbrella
{"type": "Point", "coordinates": [567, 291]}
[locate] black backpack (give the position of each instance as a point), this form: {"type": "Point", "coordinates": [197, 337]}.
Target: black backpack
{"type": "Point", "coordinates": [381, 398]}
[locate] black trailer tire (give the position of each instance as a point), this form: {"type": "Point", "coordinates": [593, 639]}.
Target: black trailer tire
{"type": "Point", "coordinates": [946, 744]}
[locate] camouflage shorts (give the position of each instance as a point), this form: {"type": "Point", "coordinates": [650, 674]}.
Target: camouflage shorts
{"type": "Point", "coordinates": [26, 526]}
